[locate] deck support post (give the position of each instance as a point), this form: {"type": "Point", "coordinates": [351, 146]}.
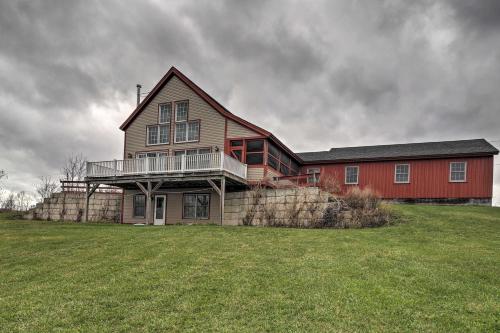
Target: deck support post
{"type": "Point", "coordinates": [88, 192]}
{"type": "Point", "coordinates": [147, 192]}
{"type": "Point", "coordinates": [149, 214]}
{"type": "Point", "coordinates": [222, 198]}
{"type": "Point", "coordinates": [222, 193]}
{"type": "Point", "coordinates": [87, 196]}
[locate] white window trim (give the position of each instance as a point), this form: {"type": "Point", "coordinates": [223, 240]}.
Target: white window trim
{"type": "Point", "coordinates": [175, 111]}
{"type": "Point", "coordinates": [395, 173]}
{"type": "Point", "coordinates": [150, 152]}
{"type": "Point", "coordinates": [465, 172]}
{"type": "Point", "coordinates": [187, 128]}
{"type": "Point", "coordinates": [159, 113]}
{"type": "Point", "coordinates": [315, 172]}
{"type": "Point", "coordinates": [158, 126]}
{"type": "Point", "coordinates": [357, 174]}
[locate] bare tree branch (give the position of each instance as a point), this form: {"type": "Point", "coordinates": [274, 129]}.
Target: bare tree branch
{"type": "Point", "coordinates": [46, 187]}
{"type": "Point", "coordinates": [74, 168]}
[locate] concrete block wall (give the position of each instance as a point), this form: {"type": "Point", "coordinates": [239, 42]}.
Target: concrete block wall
{"type": "Point", "coordinates": [298, 206]}
{"type": "Point", "coordinates": [70, 206]}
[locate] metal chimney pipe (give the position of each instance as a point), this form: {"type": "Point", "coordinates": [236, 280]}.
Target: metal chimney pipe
{"type": "Point", "coordinates": [138, 93]}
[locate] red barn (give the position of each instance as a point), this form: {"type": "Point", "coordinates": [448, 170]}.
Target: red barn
{"type": "Point", "coordinates": [449, 171]}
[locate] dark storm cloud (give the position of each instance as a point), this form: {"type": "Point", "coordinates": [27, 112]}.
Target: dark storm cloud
{"type": "Point", "coordinates": [317, 74]}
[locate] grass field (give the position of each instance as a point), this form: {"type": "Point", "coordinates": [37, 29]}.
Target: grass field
{"type": "Point", "coordinates": [438, 271]}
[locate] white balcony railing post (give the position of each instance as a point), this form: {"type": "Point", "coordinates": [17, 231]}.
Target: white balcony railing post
{"type": "Point", "coordinates": [115, 167]}
{"type": "Point", "coordinates": [183, 162]}
{"type": "Point", "coordinates": [221, 156]}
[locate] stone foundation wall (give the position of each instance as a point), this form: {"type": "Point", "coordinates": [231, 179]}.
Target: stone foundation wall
{"type": "Point", "coordinates": [70, 206]}
{"type": "Point", "coordinates": [299, 206]}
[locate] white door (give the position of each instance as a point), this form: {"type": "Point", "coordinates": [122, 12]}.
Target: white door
{"type": "Point", "coordinates": [160, 205]}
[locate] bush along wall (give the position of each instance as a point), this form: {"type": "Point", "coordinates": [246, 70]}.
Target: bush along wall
{"type": "Point", "coordinates": [304, 208]}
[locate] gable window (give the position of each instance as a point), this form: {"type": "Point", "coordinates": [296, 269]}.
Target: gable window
{"type": "Point", "coordinates": [158, 134]}
{"type": "Point", "coordinates": [187, 131]}
{"type": "Point", "coordinates": [254, 152]}
{"type": "Point", "coordinates": [313, 175]}
{"type": "Point", "coordinates": [351, 174]}
{"type": "Point", "coordinates": [181, 111]}
{"type": "Point", "coordinates": [165, 113]}
{"type": "Point", "coordinates": [458, 172]}
{"type": "Point", "coordinates": [402, 173]}
{"type": "Point", "coordinates": [196, 206]}
{"type": "Point", "coordinates": [139, 205]}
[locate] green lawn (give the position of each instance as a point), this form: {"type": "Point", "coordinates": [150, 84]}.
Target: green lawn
{"type": "Point", "coordinates": [438, 271]}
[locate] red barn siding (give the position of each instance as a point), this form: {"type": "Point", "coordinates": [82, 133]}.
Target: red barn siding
{"type": "Point", "coordinates": [428, 178]}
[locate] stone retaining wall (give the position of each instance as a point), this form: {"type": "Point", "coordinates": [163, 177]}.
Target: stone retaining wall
{"type": "Point", "coordinates": [285, 207]}
{"type": "Point", "coordinates": [70, 206]}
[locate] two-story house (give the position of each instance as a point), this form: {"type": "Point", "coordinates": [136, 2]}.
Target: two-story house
{"type": "Point", "coordinates": [183, 150]}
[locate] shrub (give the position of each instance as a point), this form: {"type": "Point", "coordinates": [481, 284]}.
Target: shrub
{"type": "Point", "coordinates": [330, 183]}
{"type": "Point", "coordinates": [362, 199]}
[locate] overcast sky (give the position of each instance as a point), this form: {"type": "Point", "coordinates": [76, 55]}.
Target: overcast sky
{"type": "Point", "coordinates": [320, 74]}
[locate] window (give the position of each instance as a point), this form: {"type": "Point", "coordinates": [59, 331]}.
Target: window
{"type": "Point", "coordinates": [165, 113]}
{"type": "Point", "coordinates": [196, 206]}
{"type": "Point", "coordinates": [402, 173]}
{"type": "Point", "coordinates": [139, 205]}
{"type": "Point", "coordinates": [193, 151]}
{"type": "Point", "coordinates": [280, 161]}
{"type": "Point", "coordinates": [181, 111]}
{"type": "Point", "coordinates": [351, 174]}
{"type": "Point", "coordinates": [237, 143]}
{"type": "Point", "coordinates": [158, 134]}
{"type": "Point", "coordinates": [458, 171]}
{"type": "Point", "coordinates": [255, 152]}
{"type": "Point", "coordinates": [187, 131]}
{"type": "Point", "coordinates": [151, 154]}
{"type": "Point", "coordinates": [193, 132]}
{"type": "Point", "coordinates": [313, 175]}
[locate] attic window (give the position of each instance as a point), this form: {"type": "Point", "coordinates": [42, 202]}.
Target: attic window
{"type": "Point", "coordinates": [181, 111]}
{"type": "Point", "coordinates": [165, 113]}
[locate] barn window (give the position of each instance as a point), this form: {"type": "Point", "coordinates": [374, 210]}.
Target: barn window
{"type": "Point", "coordinates": [458, 171]}
{"type": "Point", "coordinates": [139, 205]}
{"type": "Point", "coordinates": [313, 175]}
{"type": "Point", "coordinates": [402, 173]}
{"type": "Point", "coordinates": [351, 174]}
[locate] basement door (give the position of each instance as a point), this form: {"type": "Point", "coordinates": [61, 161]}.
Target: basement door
{"type": "Point", "coordinates": [160, 205]}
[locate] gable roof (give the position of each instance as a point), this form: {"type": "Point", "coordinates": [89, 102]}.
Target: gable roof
{"type": "Point", "coordinates": [200, 92]}
{"type": "Point", "coordinates": [207, 98]}
{"type": "Point", "coordinates": [401, 151]}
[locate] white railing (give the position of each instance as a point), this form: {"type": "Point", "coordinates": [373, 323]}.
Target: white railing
{"type": "Point", "coordinates": [168, 164]}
